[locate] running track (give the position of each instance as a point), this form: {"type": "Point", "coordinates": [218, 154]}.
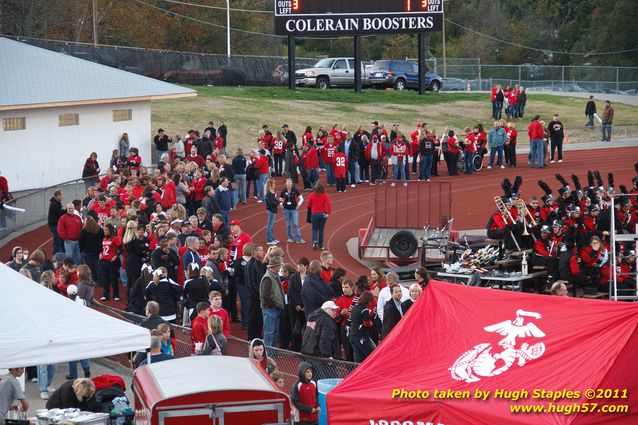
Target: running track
{"type": "Point", "coordinates": [472, 204]}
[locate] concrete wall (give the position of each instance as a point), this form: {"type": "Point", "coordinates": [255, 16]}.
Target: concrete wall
{"type": "Point", "coordinates": [45, 154]}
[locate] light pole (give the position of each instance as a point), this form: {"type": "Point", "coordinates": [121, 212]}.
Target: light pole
{"type": "Point", "coordinates": [228, 28]}
{"type": "Point", "coordinates": [444, 56]}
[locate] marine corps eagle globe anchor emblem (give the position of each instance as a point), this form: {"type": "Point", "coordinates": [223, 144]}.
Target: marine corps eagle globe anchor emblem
{"type": "Point", "coordinates": [481, 362]}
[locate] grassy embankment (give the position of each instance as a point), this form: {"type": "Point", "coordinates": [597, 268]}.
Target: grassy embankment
{"type": "Point", "coordinates": [245, 109]}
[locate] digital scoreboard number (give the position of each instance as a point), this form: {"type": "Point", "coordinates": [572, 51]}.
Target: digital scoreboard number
{"type": "Point", "coordinates": [354, 17]}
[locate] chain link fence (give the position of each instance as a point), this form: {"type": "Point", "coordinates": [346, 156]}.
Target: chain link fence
{"type": "Point", "coordinates": [459, 72]}
{"type": "Point", "coordinates": [287, 361]}
{"type": "Point", "coordinates": [207, 69]}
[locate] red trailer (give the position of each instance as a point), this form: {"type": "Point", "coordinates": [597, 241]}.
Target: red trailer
{"type": "Point", "coordinates": [217, 390]}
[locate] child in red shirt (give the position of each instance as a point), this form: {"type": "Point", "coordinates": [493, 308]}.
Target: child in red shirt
{"type": "Point", "coordinates": [216, 309]}
{"type": "Point", "coordinates": [340, 162]}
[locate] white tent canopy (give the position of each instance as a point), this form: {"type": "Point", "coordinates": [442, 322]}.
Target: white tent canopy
{"type": "Point", "coordinates": [42, 327]}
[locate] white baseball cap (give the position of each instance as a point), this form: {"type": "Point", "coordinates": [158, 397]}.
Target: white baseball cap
{"type": "Point", "coordinates": [329, 304]}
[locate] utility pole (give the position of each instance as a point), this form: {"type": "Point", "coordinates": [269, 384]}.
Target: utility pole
{"type": "Point", "coordinates": [228, 28]}
{"type": "Point", "coordinates": [444, 55]}
{"type": "Point", "coordinates": [95, 41]}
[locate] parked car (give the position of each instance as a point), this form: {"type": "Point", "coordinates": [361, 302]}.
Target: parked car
{"type": "Point", "coordinates": [402, 75]}
{"type": "Point", "coordinates": [454, 84]}
{"type": "Point", "coordinates": [330, 72]}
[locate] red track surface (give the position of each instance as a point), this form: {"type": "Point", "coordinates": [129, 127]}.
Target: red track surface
{"type": "Point", "coordinates": [472, 203]}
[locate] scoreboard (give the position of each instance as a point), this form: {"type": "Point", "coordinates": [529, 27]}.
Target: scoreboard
{"type": "Point", "coordinates": [355, 17]}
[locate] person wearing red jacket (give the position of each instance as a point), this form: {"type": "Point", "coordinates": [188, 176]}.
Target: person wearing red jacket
{"type": "Point", "coordinates": [493, 98]}
{"type": "Point", "coordinates": [69, 229]}
{"type": "Point", "coordinates": [344, 303]}
{"type": "Point", "coordinates": [310, 160]}
{"type": "Point", "coordinates": [320, 208]}
{"type": "Point", "coordinates": [216, 309]}
{"type": "Point", "coordinates": [199, 327]}
{"type": "Point", "coordinates": [307, 137]}
{"type": "Point", "coordinates": [595, 263]}
{"type": "Point", "coordinates": [109, 265]}
{"type": "Point", "coordinates": [340, 164]}
{"type": "Point", "coordinates": [510, 144]}
{"type": "Point", "coordinates": [375, 152]}
{"type": "Point", "coordinates": [471, 137]}
{"type": "Point", "coordinates": [399, 150]}
{"type": "Point", "coordinates": [536, 134]}
{"type": "Point", "coordinates": [262, 165]}
{"type": "Point", "coordinates": [278, 148]}
{"type": "Point", "coordinates": [169, 193]}
{"type": "Point", "coordinates": [328, 152]}
{"type": "Point", "coordinates": [415, 145]}
{"type": "Point", "coordinates": [453, 150]}
{"type": "Point", "coordinates": [193, 156]}
{"type": "Point", "coordinates": [197, 188]}
{"type": "Point", "coordinates": [134, 162]}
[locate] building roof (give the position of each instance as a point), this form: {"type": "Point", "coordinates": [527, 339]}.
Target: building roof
{"type": "Point", "coordinates": [32, 77]}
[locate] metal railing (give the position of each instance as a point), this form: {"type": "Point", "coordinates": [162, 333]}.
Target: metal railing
{"type": "Point", "coordinates": [36, 205]}
{"type": "Point", "coordinates": [287, 361]}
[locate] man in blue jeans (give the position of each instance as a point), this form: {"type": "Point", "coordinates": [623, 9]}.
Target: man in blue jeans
{"type": "Point", "coordinates": [495, 141]}
{"type": "Point", "coordinates": [271, 297]}
{"type": "Point", "coordinates": [536, 134]}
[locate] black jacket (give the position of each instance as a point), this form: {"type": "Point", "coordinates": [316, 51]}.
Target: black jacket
{"type": "Point", "coordinates": [354, 150]}
{"type": "Point", "coordinates": [152, 322]}
{"type": "Point", "coordinates": [590, 109]}
{"type": "Point", "coordinates": [360, 315]}
{"type": "Point", "coordinates": [56, 210]}
{"type": "Point", "coordinates": [91, 243]}
{"type": "Point", "coordinates": [161, 143]}
{"type": "Point", "coordinates": [64, 397]}
{"type": "Point", "coordinates": [556, 130]}
{"type": "Point", "coordinates": [255, 270]}
{"type": "Point", "coordinates": [159, 258]}
{"type": "Point", "coordinates": [294, 290]}
{"type": "Point", "coordinates": [195, 290]}
{"type": "Point", "coordinates": [136, 254]}
{"type": "Point", "coordinates": [405, 305]}
{"type": "Point", "coordinates": [166, 293]}
{"type": "Point", "coordinates": [271, 202]}
{"type": "Point", "coordinates": [314, 292]}
{"type": "Point", "coordinates": [391, 317]}
{"type": "Point", "coordinates": [320, 336]}
{"type": "Point", "coordinates": [136, 302]}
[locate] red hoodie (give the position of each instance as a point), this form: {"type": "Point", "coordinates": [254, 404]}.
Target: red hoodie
{"type": "Point", "coordinates": [70, 227]}
{"type": "Point", "coordinates": [310, 158]}
{"type": "Point", "coordinates": [535, 131]}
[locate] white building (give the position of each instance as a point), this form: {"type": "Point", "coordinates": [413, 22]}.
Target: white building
{"type": "Point", "coordinates": [57, 109]}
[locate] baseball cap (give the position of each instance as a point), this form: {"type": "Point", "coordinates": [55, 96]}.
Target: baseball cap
{"type": "Point", "coordinates": [545, 229]}
{"type": "Point", "coordinates": [161, 130]}
{"type": "Point", "coordinates": [71, 290]}
{"type": "Point", "coordinates": [235, 223]}
{"type": "Point", "coordinates": [186, 223]}
{"type": "Point", "coordinates": [329, 304]}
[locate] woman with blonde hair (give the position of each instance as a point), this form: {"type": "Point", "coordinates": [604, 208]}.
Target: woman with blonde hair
{"type": "Point", "coordinates": [72, 394]}
{"type": "Point", "coordinates": [272, 205]}
{"type": "Point", "coordinates": [48, 279]}
{"type": "Point", "coordinates": [415, 293]}
{"type": "Point", "coordinates": [215, 343]}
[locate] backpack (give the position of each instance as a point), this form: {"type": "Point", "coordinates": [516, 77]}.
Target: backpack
{"type": "Point", "coordinates": [103, 399]}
